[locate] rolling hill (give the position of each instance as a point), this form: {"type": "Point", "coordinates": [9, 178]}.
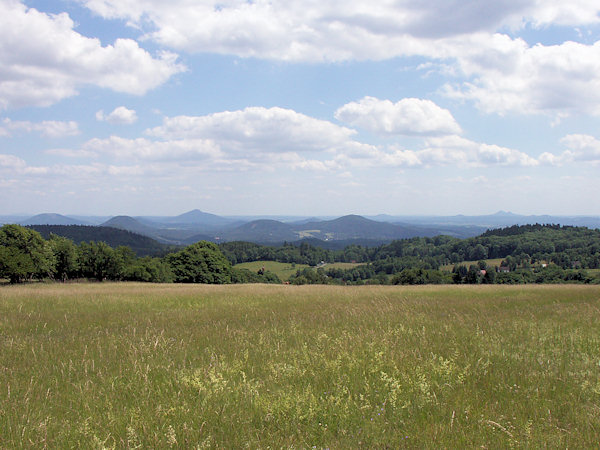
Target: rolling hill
{"type": "Point", "coordinates": [52, 219]}
{"type": "Point", "coordinates": [354, 227]}
{"type": "Point", "coordinates": [141, 245]}
{"type": "Point", "coordinates": [197, 217]}
{"type": "Point", "coordinates": [165, 234]}
{"type": "Point", "coordinates": [262, 231]}
{"type": "Point", "coordinates": [347, 229]}
{"type": "Point", "coordinates": [130, 224]}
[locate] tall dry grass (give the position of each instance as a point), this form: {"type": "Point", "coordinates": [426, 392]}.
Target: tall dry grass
{"type": "Point", "coordinates": [140, 365]}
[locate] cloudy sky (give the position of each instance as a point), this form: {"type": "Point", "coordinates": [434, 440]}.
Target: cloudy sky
{"type": "Point", "coordinates": [303, 107]}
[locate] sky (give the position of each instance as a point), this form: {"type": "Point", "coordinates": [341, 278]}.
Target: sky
{"type": "Point", "coordinates": [303, 107]}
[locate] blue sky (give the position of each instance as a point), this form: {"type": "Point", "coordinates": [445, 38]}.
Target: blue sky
{"type": "Point", "coordinates": [146, 107]}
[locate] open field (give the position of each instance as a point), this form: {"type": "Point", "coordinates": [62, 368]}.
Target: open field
{"type": "Point", "coordinates": [342, 265]}
{"type": "Point", "coordinates": [283, 270]}
{"type": "Point", "coordinates": [159, 366]}
{"type": "Point", "coordinates": [490, 262]}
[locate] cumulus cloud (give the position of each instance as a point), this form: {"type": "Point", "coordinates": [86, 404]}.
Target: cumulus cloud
{"type": "Point", "coordinates": [120, 116]}
{"type": "Point", "coordinates": [309, 30]}
{"type": "Point", "coordinates": [409, 116]}
{"type": "Point", "coordinates": [70, 153]}
{"type": "Point", "coordinates": [266, 138]}
{"type": "Point", "coordinates": [506, 75]}
{"type": "Point", "coordinates": [48, 128]}
{"type": "Point", "coordinates": [444, 151]}
{"type": "Point", "coordinates": [584, 147]}
{"type": "Point", "coordinates": [503, 74]}
{"type": "Point", "coordinates": [145, 149]}
{"type": "Point", "coordinates": [44, 60]}
{"type": "Point", "coordinates": [455, 149]}
{"type": "Point", "coordinates": [580, 148]}
{"type": "Point", "coordinates": [11, 162]}
{"type": "Point", "coordinates": [259, 129]}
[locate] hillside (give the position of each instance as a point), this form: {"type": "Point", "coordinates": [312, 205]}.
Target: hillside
{"type": "Point", "coordinates": [114, 237]}
{"type": "Point", "coordinates": [52, 219]}
{"type": "Point", "coordinates": [130, 224]}
{"type": "Point", "coordinates": [346, 230]}
{"type": "Point", "coordinates": [199, 218]}
{"type": "Point", "coordinates": [355, 227]}
{"type": "Point", "coordinates": [261, 231]}
{"type": "Point", "coordinates": [170, 234]}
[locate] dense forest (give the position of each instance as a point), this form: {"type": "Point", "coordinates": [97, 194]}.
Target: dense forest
{"type": "Point", "coordinates": [524, 254]}
{"type": "Point", "coordinates": [25, 255]}
{"type": "Point", "coordinates": [114, 237]}
{"type": "Point", "coordinates": [529, 253]}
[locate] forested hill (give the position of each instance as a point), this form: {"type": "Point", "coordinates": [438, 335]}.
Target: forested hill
{"type": "Point", "coordinates": [114, 237]}
{"type": "Point", "coordinates": [562, 245]}
{"type": "Point", "coordinates": [565, 246]}
{"type": "Point", "coordinates": [530, 253]}
{"type": "Point", "coordinates": [522, 229]}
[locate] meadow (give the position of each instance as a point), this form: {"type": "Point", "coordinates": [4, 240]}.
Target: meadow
{"type": "Point", "coordinates": [497, 262]}
{"type": "Point", "coordinates": [128, 365]}
{"type": "Point", "coordinates": [285, 270]}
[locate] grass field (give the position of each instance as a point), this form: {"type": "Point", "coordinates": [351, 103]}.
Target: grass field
{"type": "Point", "coordinates": [490, 263]}
{"type": "Point", "coordinates": [342, 265]}
{"type": "Point", "coordinates": [283, 270]}
{"type": "Point", "coordinates": [187, 366]}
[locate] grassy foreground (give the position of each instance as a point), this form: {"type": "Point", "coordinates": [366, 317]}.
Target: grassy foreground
{"type": "Point", "coordinates": [155, 366]}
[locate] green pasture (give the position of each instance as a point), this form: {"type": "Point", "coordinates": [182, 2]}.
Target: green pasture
{"type": "Point", "coordinates": [128, 365]}
{"type": "Point", "coordinates": [490, 263]}
{"type": "Point", "coordinates": [342, 265]}
{"type": "Point", "coordinates": [283, 270]}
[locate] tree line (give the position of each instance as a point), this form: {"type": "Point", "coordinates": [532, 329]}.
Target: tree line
{"type": "Point", "coordinates": [564, 246]}
{"type": "Point", "coordinates": [25, 255]}
{"type": "Point", "coordinates": [529, 253]}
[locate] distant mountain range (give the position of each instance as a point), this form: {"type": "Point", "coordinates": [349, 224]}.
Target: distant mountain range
{"type": "Point", "coordinates": [197, 225]}
{"type": "Point", "coordinates": [497, 220]}
{"type": "Point", "coordinates": [52, 219]}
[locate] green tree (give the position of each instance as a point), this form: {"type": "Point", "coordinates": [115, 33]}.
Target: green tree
{"type": "Point", "coordinates": [153, 270]}
{"type": "Point", "coordinates": [66, 257]}
{"type": "Point", "coordinates": [24, 255]}
{"type": "Point", "coordinates": [15, 265]}
{"type": "Point", "coordinates": [201, 262]}
{"type": "Point", "coordinates": [97, 260]}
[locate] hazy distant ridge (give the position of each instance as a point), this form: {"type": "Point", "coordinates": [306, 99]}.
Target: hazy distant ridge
{"type": "Point", "coordinates": [196, 225]}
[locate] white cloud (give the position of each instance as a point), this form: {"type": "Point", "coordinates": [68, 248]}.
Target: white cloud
{"type": "Point", "coordinates": [145, 149]}
{"type": "Point", "coordinates": [447, 151]}
{"type": "Point", "coordinates": [70, 153]}
{"type": "Point", "coordinates": [409, 116]}
{"type": "Point", "coordinates": [120, 116]}
{"type": "Point", "coordinates": [269, 138]}
{"type": "Point", "coordinates": [443, 151]}
{"type": "Point", "coordinates": [43, 60]}
{"type": "Point", "coordinates": [503, 74]}
{"type": "Point", "coordinates": [310, 30]}
{"type": "Point", "coordinates": [584, 147]}
{"type": "Point", "coordinates": [11, 162]}
{"type": "Point", "coordinates": [580, 148]}
{"type": "Point", "coordinates": [506, 75]}
{"type": "Point", "coordinates": [47, 128]}
{"type": "Point", "coordinates": [455, 149]}
{"type": "Point", "coordinates": [258, 129]}
{"type": "Point", "coordinates": [573, 12]}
